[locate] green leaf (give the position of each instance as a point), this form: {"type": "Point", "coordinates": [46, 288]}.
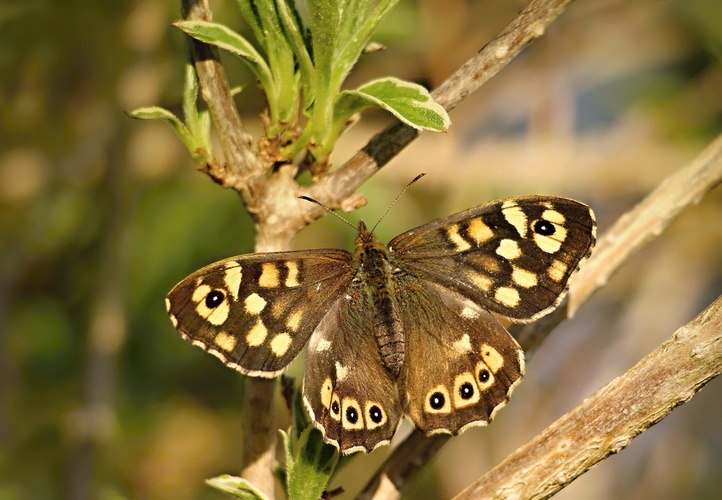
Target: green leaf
{"type": "Point", "coordinates": [237, 487]}
{"type": "Point", "coordinates": [227, 39]}
{"type": "Point", "coordinates": [158, 113]}
{"type": "Point", "coordinates": [310, 463]}
{"type": "Point", "coordinates": [198, 123]}
{"type": "Point", "coordinates": [409, 102]}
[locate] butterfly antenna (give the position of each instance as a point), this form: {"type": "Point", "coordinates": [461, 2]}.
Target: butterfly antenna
{"type": "Point", "coordinates": [397, 199]}
{"type": "Point", "coordinates": [308, 198]}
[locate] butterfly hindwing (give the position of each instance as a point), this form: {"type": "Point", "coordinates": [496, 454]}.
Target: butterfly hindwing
{"type": "Point", "coordinates": [349, 394]}
{"type": "Point", "coordinates": [460, 365]}
{"type": "Point", "coordinates": [512, 256]}
{"type": "Point", "coordinates": [256, 312]}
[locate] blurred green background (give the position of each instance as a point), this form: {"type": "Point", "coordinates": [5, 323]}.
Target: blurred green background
{"type": "Point", "coordinates": [101, 215]}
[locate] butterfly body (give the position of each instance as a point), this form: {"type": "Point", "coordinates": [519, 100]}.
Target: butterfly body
{"type": "Point", "coordinates": [403, 329]}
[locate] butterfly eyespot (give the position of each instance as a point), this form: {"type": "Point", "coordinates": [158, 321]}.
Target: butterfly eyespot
{"type": "Point", "coordinates": [544, 228]}
{"type": "Point", "coordinates": [437, 401]}
{"type": "Point", "coordinates": [335, 408]}
{"type": "Point", "coordinates": [375, 414]}
{"type": "Point", "coordinates": [484, 375]}
{"type": "Point", "coordinates": [351, 415]}
{"type": "Point", "coordinates": [214, 299]}
{"type": "Point", "coordinates": [466, 391]}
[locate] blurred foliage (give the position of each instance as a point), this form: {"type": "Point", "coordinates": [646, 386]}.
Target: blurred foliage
{"type": "Point", "coordinates": [101, 215]}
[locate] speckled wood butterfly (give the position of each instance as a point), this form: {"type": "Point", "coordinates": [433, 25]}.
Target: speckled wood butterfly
{"type": "Point", "coordinates": [403, 329]}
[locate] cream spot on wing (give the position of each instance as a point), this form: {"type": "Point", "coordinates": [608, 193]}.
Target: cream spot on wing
{"type": "Point", "coordinates": [554, 216]}
{"type": "Point", "coordinates": [459, 242]}
{"type": "Point", "coordinates": [463, 345]}
{"type": "Point", "coordinates": [493, 358]}
{"type": "Point", "coordinates": [219, 314]}
{"type": "Point", "coordinates": [280, 344]}
{"type": "Point", "coordinates": [507, 296]}
{"type": "Point", "coordinates": [232, 278]}
{"type": "Point", "coordinates": [173, 320]}
{"type": "Point", "coordinates": [292, 278]}
{"type": "Point", "coordinates": [479, 232]}
{"type": "Point", "coordinates": [167, 304]}
{"type": "Point", "coordinates": [323, 345]}
{"type": "Point", "coordinates": [524, 278]}
{"type": "Point", "coordinates": [509, 249]}
{"type": "Point", "coordinates": [558, 270]}
{"type": "Point", "coordinates": [326, 393]}
{"type": "Point", "coordinates": [257, 334]}
{"type": "Point", "coordinates": [341, 371]}
{"type": "Point", "coordinates": [200, 293]}
{"type": "Point", "coordinates": [294, 320]}
{"type": "Point", "coordinates": [269, 275]}
{"type": "Point", "coordinates": [480, 280]}
{"type": "Point", "coordinates": [551, 244]}
{"type": "Point", "coordinates": [254, 304]}
{"type": "Point", "coordinates": [469, 313]}
{"type": "Point", "coordinates": [465, 390]}
{"type": "Point", "coordinates": [515, 216]}
{"type": "Point", "coordinates": [225, 341]}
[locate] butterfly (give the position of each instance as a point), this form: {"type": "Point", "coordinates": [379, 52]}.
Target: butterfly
{"type": "Point", "coordinates": [406, 329]}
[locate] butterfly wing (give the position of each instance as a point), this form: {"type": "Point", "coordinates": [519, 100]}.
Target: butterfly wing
{"type": "Point", "coordinates": [512, 256]}
{"type": "Point", "coordinates": [461, 365]}
{"type": "Point", "coordinates": [255, 312]}
{"type": "Point", "coordinates": [347, 391]}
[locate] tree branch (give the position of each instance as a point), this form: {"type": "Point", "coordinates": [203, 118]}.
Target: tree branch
{"type": "Point", "coordinates": [607, 422]}
{"type": "Point", "coordinates": [530, 24]}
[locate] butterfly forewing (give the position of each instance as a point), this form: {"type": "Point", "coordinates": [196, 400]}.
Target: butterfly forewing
{"type": "Point", "coordinates": [513, 256]}
{"type": "Point", "coordinates": [256, 312]}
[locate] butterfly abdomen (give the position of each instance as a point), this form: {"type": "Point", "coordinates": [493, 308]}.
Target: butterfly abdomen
{"type": "Point", "coordinates": [376, 272]}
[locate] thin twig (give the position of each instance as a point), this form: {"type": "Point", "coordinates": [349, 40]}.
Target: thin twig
{"type": "Point", "coordinates": [607, 422]}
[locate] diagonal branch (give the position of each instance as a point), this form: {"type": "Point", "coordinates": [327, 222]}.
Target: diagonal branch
{"type": "Point", "coordinates": [607, 422]}
{"type": "Point", "coordinates": [530, 24]}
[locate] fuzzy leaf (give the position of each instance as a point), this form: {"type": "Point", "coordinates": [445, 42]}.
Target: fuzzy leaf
{"type": "Point", "coordinates": [409, 102]}
{"type": "Point", "coordinates": [227, 39]}
{"type": "Point", "coordinates": [310, 463]}
{"type": "Point", "coordinates": [237, 487]}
